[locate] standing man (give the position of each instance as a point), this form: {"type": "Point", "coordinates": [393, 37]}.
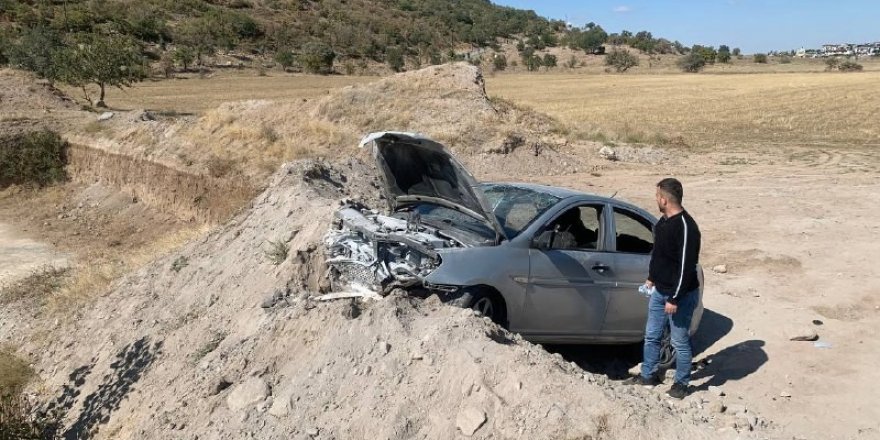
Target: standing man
{"type": "Point", "coordinates": [672, 279]}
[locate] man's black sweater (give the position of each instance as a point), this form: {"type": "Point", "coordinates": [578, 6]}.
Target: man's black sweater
{"type": "Point", "coordinates": [675, 256]}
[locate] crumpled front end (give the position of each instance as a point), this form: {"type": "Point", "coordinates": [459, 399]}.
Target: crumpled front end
{"type": "Point", "coordinates": [381, 253]}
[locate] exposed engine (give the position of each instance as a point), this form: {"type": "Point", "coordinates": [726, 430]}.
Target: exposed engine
{"type": "Point", "coordinates": [381, 253]}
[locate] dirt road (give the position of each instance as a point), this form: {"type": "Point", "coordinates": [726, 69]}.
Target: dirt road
{"type": "Point", "coordinates": [20, 255]}
{"type": "Point", "coordinates": [798, 236]}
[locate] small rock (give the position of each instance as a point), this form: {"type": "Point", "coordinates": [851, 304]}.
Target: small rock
{"type": "Point", "coordinates": [312, 432]}
{"type": "Point", "coordinates": [721, 268]}
{"type": "Point", "coordinates": [469, 420]}
{"type": "Point", "coordinates": [247, 393]}
{"type": "Point", "coordinates": [802, 334]}
{"type": "Point", "coordinates": [737, 409]}
{"type": "Point", "coordinates": [384, 347]}
{"type": "Point", "coordinates": [784, 393]}
{"type": "Point", "coordinates": [717, 391]}
{"type": "Point", "coordinates": [280, 407]}
{"type": "Point", "coordinates": [717, 407]}
{"type": "Point", "coordinates": [608, 154]}
{"type": "Point", "coordinates": [105, 116]}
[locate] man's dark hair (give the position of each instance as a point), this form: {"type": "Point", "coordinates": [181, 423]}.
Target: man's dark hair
{"type": "Point", "coordinates": [672, 188]}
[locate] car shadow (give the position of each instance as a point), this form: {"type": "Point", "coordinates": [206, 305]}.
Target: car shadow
{"type": "Point", "coordinates": [615, 361]}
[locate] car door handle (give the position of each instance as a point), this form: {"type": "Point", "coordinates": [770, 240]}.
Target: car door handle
{"type": "Point", "coordinates": [601, 268]}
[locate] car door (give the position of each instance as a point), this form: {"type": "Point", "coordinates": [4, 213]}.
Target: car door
{"type": "Point", "coordinates": [632, 240]}
{"type": "Point", "coordinates": [565, 295]}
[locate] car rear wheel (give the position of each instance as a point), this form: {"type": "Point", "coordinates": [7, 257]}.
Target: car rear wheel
{"type": "Point", "coordinates": [667, 352]}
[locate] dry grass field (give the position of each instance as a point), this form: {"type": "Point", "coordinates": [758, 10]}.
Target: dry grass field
{"type": "Point", "coordinates": [813, 109]}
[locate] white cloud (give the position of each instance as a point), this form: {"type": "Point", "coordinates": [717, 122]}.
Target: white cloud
{"type": "Point", "coordinates": [622, 9]}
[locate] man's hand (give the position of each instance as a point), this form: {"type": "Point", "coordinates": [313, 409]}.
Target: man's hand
{"type": "Point", "coordinates": [670, 308]}
{"type": "Point", "coordinates": [649, 283]}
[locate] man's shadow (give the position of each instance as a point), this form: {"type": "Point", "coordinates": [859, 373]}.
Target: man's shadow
{"type": "Point", "coordinates": [615, 361]}
{"type": "Point", "coordinates": [732, 363]}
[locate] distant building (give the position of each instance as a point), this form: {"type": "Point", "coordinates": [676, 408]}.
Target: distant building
{"type": "Point", "coordinates": [837, 49]}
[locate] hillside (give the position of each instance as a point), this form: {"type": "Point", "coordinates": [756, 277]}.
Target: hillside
{"type": "Point", "coordinates": [352, 28]}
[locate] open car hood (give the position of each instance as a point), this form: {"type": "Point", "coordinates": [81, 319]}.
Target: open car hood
{"type": "Point", "coordinates": [416, 169]}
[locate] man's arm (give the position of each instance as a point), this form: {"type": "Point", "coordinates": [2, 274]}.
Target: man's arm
{"type": "Point", "coordinates": [686, 258]}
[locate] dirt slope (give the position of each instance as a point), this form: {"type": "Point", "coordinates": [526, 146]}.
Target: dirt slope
{"type": "Point", "coordinates": [193, 345]}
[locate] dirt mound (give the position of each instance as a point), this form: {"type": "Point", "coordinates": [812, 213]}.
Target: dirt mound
{"type": "Point", "coordinates": [28, 104]}
{"type": "Point", "coordinates": [217, 341]}
{"type": "Point", "coordinates": [447, 103]}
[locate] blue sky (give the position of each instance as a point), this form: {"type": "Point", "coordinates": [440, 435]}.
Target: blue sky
{"type": "Point", "coordinates": [753, 25]}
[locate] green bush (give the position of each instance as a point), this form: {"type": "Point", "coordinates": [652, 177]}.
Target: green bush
{"type": "Point", "coordinates": [621, 60]}
{"type": "Point", "coordinates": [395, 60]}
{"type": "Point", "coordinates": [549, 60]}
{"type": "Point", "coordinates": [317, 57]}
{"type": "Point", "coordinates": [849, 66]}
{"type": "Point", "coordinates": [692, 62]}
{"type": "Point", "coordinates": [760, 58]}
{"type": "Point", "coordinates": [285, 59]}
{"type": "Point", "coordinates": [32, 158]}
{"type": "Point", "coordinates": [499, 62]}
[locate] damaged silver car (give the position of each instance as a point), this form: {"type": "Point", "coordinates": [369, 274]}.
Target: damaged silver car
{"type": "Point", "coordinates": [553, 264]}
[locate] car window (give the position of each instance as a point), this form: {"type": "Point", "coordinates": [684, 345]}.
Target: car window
{"type": "Point", "coordinates": [578, 228]}
{"type": "Point", "coordinates": [633, 234]}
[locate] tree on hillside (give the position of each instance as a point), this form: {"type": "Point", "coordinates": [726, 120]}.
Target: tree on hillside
{"type": "Point", "coordinates": [285, 59]}
{"type": "Point", "coordinates": [317, 57]}
{"type": "Point", "coordinates": [185, 56]}
{"type": "Point", "coordinates": [38, 50]}
{"type": "Point", "coordinates": [102, 60]}
{"type": "Point", "coordinates": [692, 62]}
{"type": "Point", "coordinates": [707, 52]}
{"type": "Point", "coordinates": [549, 61]}
{"type": "Point", "coordinates": [588, 40]}
{"type": "Point", "coordinates": [621, 59]}
{"type": "Point", "coordinates": [394, 58]}
{"type": "Point", "coordinates": [499, 62]}
{"type": "Point", "coordinates": [723, 55]}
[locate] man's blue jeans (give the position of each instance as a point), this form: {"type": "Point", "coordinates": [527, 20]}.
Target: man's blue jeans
{"type": "Point", "coordinates": [679, 326]}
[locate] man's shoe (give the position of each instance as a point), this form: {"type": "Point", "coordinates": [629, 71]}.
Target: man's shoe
{"type": "Point", "coordinates": [639, 380]}
{"type": "Point", "coordinates": [678, 391]}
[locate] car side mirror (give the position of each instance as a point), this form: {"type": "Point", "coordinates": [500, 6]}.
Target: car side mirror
{"type": "Point", "coordinates": [544, 240]}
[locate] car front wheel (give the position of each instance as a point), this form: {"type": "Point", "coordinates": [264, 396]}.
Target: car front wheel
{"type": "Point", "coordinates": [489, 304]}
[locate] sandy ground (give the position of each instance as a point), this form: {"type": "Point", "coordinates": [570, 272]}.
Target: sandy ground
{"type": "Point", "coordinates": [797, 234]}
{"type": "Point", "coordinates": [20, 255]}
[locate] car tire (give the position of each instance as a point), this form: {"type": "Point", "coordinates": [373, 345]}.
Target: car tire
{"type": "Point", "coordinates": [490, 304]}
{"type": "Point", "coordinates": [667, 352]}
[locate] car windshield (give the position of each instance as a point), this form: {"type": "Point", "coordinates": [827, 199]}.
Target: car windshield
{"type": "Point", "coordinates": [516, 207]}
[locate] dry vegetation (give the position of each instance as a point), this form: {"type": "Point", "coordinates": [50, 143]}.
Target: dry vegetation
{"type": "Point", "coordinates": [196, 94]}
{"type": "Point", "coordinates": [793, 109]}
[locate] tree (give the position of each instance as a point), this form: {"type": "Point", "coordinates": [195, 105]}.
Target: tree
{"type": "Point", "coordinates": [38, 50]}
{"type": "Point", "coordinates": [760, 58]}
{"type": "Point", "coordinates": [530, 60]}
{"type": "Point", "coordinates": [394, 58]}
{"type": "Point", "coordinates": [621, 59]}
{"type": "Point", "coordinates": [317, 57]}
{"type": "Point", "coordinates": [549, 61]}
{"type": "Point", "coordinates": [707, 52]}
{"type": "Point", "coordinates": [285, 58]}
{"type": "Point", "coordinates": [723, 55]}
{"type": "Point", "coordinates": [103, 60]}
{"type": "Point", "coordinates": [737, 52]}
{"type": "Point", "coordinates": [185, 56]}
{"type": "Point", "coordinates": [499, 62]}
{"type": "Point", "coordinates": [692, 62]}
